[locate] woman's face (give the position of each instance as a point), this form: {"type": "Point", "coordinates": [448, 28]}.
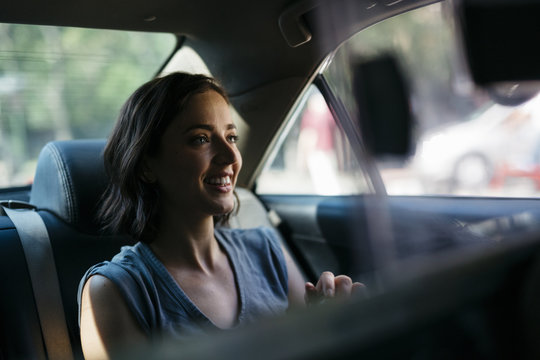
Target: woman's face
{"type": "Point", "coordinates": [197, 162]}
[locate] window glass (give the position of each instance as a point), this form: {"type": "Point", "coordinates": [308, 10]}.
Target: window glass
{"type": "Point", "coordinates": [186, 59]}
{"type": "Point", "coordinates": [313, 157]}
{"type": "Point", "coordinates": [465, 144]}
{"type": "Point", "coordinates": [61, 83]}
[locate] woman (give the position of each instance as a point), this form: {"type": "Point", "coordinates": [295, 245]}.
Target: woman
{"type": "Point", "coordinates": [173, 164]}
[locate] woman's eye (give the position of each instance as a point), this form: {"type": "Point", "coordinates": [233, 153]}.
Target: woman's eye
{"type": "Point", "coordinates": [233, 138]}
{"type": "Point", "coordinates": [201, 139]}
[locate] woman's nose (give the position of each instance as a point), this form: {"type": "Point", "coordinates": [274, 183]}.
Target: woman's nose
{"type": "Point", "coordinates": [226, 153]}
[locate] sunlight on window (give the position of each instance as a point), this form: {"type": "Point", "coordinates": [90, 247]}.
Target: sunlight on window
{"type": "Point", "coordinates": [186, 60]}
{"type": "Point", "coordinates": [314, 158]}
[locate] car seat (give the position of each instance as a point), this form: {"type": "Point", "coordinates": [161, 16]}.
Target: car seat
{"type": "Point", "coordinates": [68, 184]}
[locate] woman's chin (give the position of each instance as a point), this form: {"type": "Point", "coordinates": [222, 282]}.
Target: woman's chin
{"type": "Point", "coordinates": [223, 209]}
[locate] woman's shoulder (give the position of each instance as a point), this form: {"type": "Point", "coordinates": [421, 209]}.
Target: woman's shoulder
{"type": "Point", "coordinates": [126, 269]}
{"type": "Point", "coordinates": [127, 275]}
{"type": "Point", "coordinates": [129, 257]}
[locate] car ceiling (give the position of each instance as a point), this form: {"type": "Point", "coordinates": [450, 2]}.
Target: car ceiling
{"type": "Point", "coordinates": [241, 42]}
{"type": "Point", "coordinates": [244, 33]}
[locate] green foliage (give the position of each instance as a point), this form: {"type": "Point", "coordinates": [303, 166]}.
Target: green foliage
{"type": "Point", "coordinates": [58, 83]}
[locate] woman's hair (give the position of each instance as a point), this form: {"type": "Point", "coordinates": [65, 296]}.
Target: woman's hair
{"type": "Point", "coordinates": [130, 204]}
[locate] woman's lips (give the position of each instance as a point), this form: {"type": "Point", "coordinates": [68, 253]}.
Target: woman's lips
{"type": "Point", "coordinates": [220, 183]}
{"type": "Point", "coordinates": [219, 180]}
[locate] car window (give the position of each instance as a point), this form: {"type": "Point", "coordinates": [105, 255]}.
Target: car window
{"type": "Point", "coordinates": [188, 60]}
{"type": "Point", "coordinates": [465, 144]}
{"type": "Point", "coordinates": [313, 155]}
{"type": "Point", "coordinates": [60, 83]}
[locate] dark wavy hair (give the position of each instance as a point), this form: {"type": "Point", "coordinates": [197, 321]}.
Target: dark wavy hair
{"type": "Point", "coordinates": [130, 204]}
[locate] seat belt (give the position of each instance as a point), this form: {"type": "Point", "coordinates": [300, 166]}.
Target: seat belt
{"type": "Point", "coordinates": [41, 267]}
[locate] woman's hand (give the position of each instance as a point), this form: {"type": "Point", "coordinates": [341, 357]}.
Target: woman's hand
{"type": "Point", "coordinates": [330, 286]}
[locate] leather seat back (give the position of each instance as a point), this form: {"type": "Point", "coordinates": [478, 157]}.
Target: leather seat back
{"type": "Point", "coordinates": [68, 184]}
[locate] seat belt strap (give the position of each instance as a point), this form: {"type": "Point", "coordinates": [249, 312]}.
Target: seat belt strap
{"type": "Point", "coordinates": [41, 267]}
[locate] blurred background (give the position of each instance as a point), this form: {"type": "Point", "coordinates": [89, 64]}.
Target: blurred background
{"type": "Point", "coordinates": [461, 138]}
{"type": "Point", "coordinates": [48, 92]}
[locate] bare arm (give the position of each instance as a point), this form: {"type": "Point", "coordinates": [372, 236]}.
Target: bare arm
{"type": "Point", "coordinates": [106, 323]}
{"type": "Point", "coordinates": [296, 282]}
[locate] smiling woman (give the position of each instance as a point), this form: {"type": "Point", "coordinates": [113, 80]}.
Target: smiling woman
{"type": "Point", "coordinates": [207, 138]}
{"type": "Point", "coordinates": [173, 165]}
{"type": "Point", "coordinates": [145, 145]}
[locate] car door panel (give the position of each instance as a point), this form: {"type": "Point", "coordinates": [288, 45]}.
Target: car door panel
{"type": "Point", "coordinates": [340, 233]}
{"type": "Point", "coordinates": [300, 229]}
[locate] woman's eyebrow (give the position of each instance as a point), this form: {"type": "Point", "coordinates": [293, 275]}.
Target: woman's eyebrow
{"type": "Point", "coordinates": [207, 127]}
{"type": "Point", "coordinates": [199, 126]}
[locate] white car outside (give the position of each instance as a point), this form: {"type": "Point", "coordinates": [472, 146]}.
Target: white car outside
{"type": "Point", "coordinates": [464, 156]}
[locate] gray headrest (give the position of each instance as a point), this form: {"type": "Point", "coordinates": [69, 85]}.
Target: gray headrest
{"type": "Point", "coordinates": [70, 179]}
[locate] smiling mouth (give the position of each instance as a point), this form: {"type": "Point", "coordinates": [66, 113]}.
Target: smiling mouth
{"type": "Point", "coordinates": [219, 181]}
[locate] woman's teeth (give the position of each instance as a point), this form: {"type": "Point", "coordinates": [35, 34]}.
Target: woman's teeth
{"type": "Point", "coordinates": [226, 180]}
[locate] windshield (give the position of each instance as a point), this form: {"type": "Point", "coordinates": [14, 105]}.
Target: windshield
{"type": "Point", "coordinates": [60, 83]}
{"type": "Point", "coordinates": [465, 144]}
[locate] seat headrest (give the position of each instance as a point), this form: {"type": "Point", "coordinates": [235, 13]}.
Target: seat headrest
{"type": "Point", "coordinates": [70, 180]}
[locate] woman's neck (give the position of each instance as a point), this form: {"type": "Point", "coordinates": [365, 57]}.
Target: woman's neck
{"type": "Point", "coordinates": [188, 243]}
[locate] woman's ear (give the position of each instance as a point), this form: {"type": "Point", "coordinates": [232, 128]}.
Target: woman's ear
{"type": "Point", "coordinates": [148, 177]}
{"type": "Point", "coordinates": [146, 173]}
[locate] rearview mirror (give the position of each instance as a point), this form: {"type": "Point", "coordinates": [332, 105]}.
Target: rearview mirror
{"type": "Point", "coordinates": [382, 96]}
{"type": "Point", "coordinates": [500, 40]}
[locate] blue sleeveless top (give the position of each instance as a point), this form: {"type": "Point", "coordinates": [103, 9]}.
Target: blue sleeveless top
{"type": "Point", "coordinates": [160, 306]}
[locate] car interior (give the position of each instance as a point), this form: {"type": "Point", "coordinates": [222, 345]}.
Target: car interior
{"type": "Point", "coordinates": [447, 276]}
{"type": "Point", "coordinates": [66, 190]}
